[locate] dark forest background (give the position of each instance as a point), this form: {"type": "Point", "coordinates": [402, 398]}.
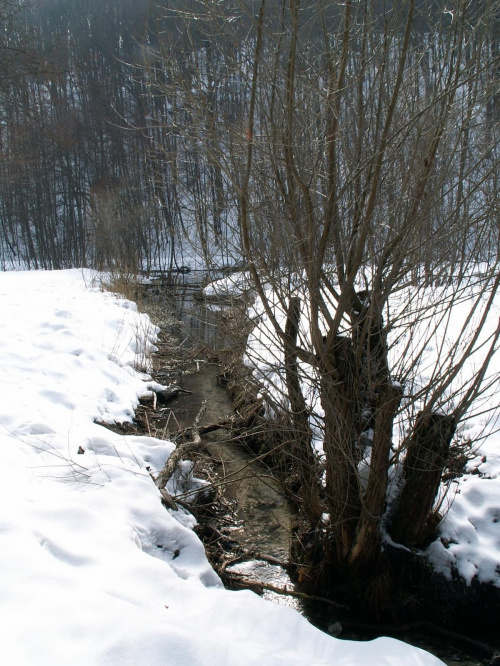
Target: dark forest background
{"type": "Point", "coordinates": [94, 168]}
{"type": "Point", "coordinates": [75, 187]}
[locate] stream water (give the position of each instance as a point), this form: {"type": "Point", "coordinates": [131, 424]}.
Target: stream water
{"type": "Point", "coordinates": [263, 515]}
{"type": "Point", "coordinates": [261, 511]}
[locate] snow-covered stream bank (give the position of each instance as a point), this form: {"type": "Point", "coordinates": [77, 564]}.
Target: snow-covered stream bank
{"type": "Point", "coordinates": [94, 570]}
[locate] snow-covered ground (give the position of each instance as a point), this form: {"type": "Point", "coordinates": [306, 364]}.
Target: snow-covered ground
{"type": "Point", "coordinates": [94, 571]}
{"type": "Point", "coordinates": [233, 285]}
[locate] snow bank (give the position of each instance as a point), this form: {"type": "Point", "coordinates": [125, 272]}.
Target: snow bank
{"type": "Point", "coordinates": [470, 534]}
{"type": "Point", "coordinates": [233, 285]}
{"type": "Point", "coordinates": [94, 570]}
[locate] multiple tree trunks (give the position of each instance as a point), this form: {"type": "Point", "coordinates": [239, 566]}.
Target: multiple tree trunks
{"type": "Point", "coordinates": [357, 394]}
{"type": "Point", "coordinates": [355, 381]}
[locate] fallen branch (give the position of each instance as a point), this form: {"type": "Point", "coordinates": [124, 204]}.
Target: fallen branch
{"type": "Point", "coordinates": [203, 430]}
{"type": "Point", "coordinates": [182, 451]}
{"type": "Point", "coordinates": [168, 499]}
{"type": "Point", "coordinates": [235, 422]}
{"type": "Point", "coordinates": [259, 587]}
{"type": "Point", "coordinates": [270, 559]}
{"type": "Point", "coordinates": [165, 496]}
{"type": "Point", "coordinates": [161, 396]}
{"type": "Point", "coordinates": [168, 393]}
{"type": "Point", "coordinates": [251, 554]}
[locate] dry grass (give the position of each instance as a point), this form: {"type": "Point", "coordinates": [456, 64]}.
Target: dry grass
{"type": "Point", "coordinates": [124, 283]}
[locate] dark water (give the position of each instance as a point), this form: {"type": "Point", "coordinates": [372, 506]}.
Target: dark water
{"type": "Point", "coordinates": [193, 320]}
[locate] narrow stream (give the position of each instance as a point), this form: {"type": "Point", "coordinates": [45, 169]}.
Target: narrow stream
{"type": "Point", "coordinates": [263, 514]}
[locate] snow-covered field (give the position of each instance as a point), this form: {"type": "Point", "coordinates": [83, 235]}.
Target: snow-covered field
{"type": "Point", "coordinates": [94, 571]}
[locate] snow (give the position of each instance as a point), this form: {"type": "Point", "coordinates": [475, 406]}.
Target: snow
{"type": "Point", "coordinates": [234, 285]}
{"type": "Point", "coordinates": [469, 535]}
{"type": "Point", "coordinates": [95, 572]}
